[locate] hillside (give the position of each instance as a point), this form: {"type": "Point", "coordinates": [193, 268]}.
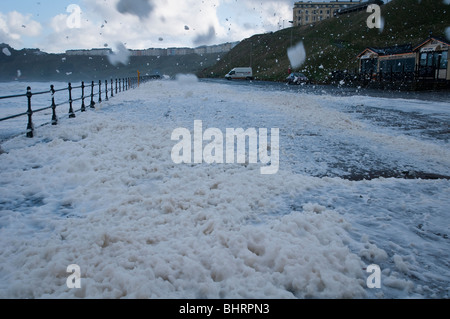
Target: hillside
{"type": "Point", "coordinates": [333, 44]}
{"type": "Point", "coordinates": [34, 65]}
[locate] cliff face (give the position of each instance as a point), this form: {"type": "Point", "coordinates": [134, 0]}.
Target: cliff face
{"type": "Point", "coordinates": [334, 44]}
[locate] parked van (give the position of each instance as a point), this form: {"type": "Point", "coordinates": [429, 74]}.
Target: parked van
{"type": "Point", "coordinates": [240, 74]}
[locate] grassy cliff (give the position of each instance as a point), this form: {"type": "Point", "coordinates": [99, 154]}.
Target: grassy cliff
{"type": "Point", "coordinates": [333, 44]}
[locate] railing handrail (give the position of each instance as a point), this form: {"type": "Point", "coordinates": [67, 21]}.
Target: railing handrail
{"type": "Point", "coordinates": [37, 93]}
{"type": "Point", "coordinates": [12, 96]}
{"type": "Point", "coordinates": [121, 85]}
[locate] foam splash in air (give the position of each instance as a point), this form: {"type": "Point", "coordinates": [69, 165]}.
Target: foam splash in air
{"type": "Point", "coordinates": [297, 55]}
{"type": "Point", "coordinates": [6, 52]}
{"type": "Point", "coordinates": [186, 78]}
{"type": "Point", "coordinates": [122, 55]}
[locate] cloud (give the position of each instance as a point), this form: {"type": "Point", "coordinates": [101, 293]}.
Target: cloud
{"type": "Point", "coordinates": [139, 8]}
{"type": "Point", "coordinates": [271, 13]}
{"type": "Point", "coordinates": [61, 37]}
{"type": "Point", "coordinates": [139, 24]}
{"type": "Point", "coordinates": [14, 26]}
{"type": "Point", "coordinates": [253, 17]}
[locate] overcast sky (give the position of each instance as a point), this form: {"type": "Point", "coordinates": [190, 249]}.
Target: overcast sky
{"type": "Point", "coordinates": [139, 24]}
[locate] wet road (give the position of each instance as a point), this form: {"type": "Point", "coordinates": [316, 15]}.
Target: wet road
{"type": "Point", "coordinates": [422, 116]}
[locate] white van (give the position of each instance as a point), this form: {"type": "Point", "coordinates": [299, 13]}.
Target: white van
{"type": "Point", "coordinates": [240, 74]}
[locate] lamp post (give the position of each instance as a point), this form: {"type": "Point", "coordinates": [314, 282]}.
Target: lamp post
{"type": "Point", "coordinates": [292, 30]}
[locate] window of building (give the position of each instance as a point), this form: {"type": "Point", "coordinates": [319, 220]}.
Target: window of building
{"type": "Point", "coordinates": [369, 65]}
{"type": "Point", "coordinates": [423, 59]}
{"type": "Point", "coordinates": [444, 60]}
{"type": "Point", "coordinates": [397, 65]}
{"type": "Point", "coordinates": [432, 59]}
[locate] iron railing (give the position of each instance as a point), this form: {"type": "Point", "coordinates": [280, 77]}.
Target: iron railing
{"type": "Point", "coordinates": [111, 88]}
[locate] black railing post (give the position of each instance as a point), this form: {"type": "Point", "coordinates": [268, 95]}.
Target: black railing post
{"type": "Point", "coordinates": [128, 80]}
{"type": "Point", "coordinates": [83, 106]}
{"type": "Point", "coordinates": [403, 75]}
{"type": "Point", "coordinates": [106, 90]}
{"type": "Point", "coordinates": [92, 95]}
{"type": "Point", "coordinates": [112, 88]}
{"type": "Point", "coordinates": [30, 126]}
{"type": "Point", "coordinates": [54, 117]}
{"type": "Point", "coordinates": [99, 91]}
{"type": "Point", "coordinates": [123, 83]}
{"type": "Point", "coordinates": [120, 85]}
{"type": "Point", "coordinates": [438, 66]}
{"type": "Point", "coordinates": [116, 86]}
{"type": "Point", "coordinates": [71, 112]}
